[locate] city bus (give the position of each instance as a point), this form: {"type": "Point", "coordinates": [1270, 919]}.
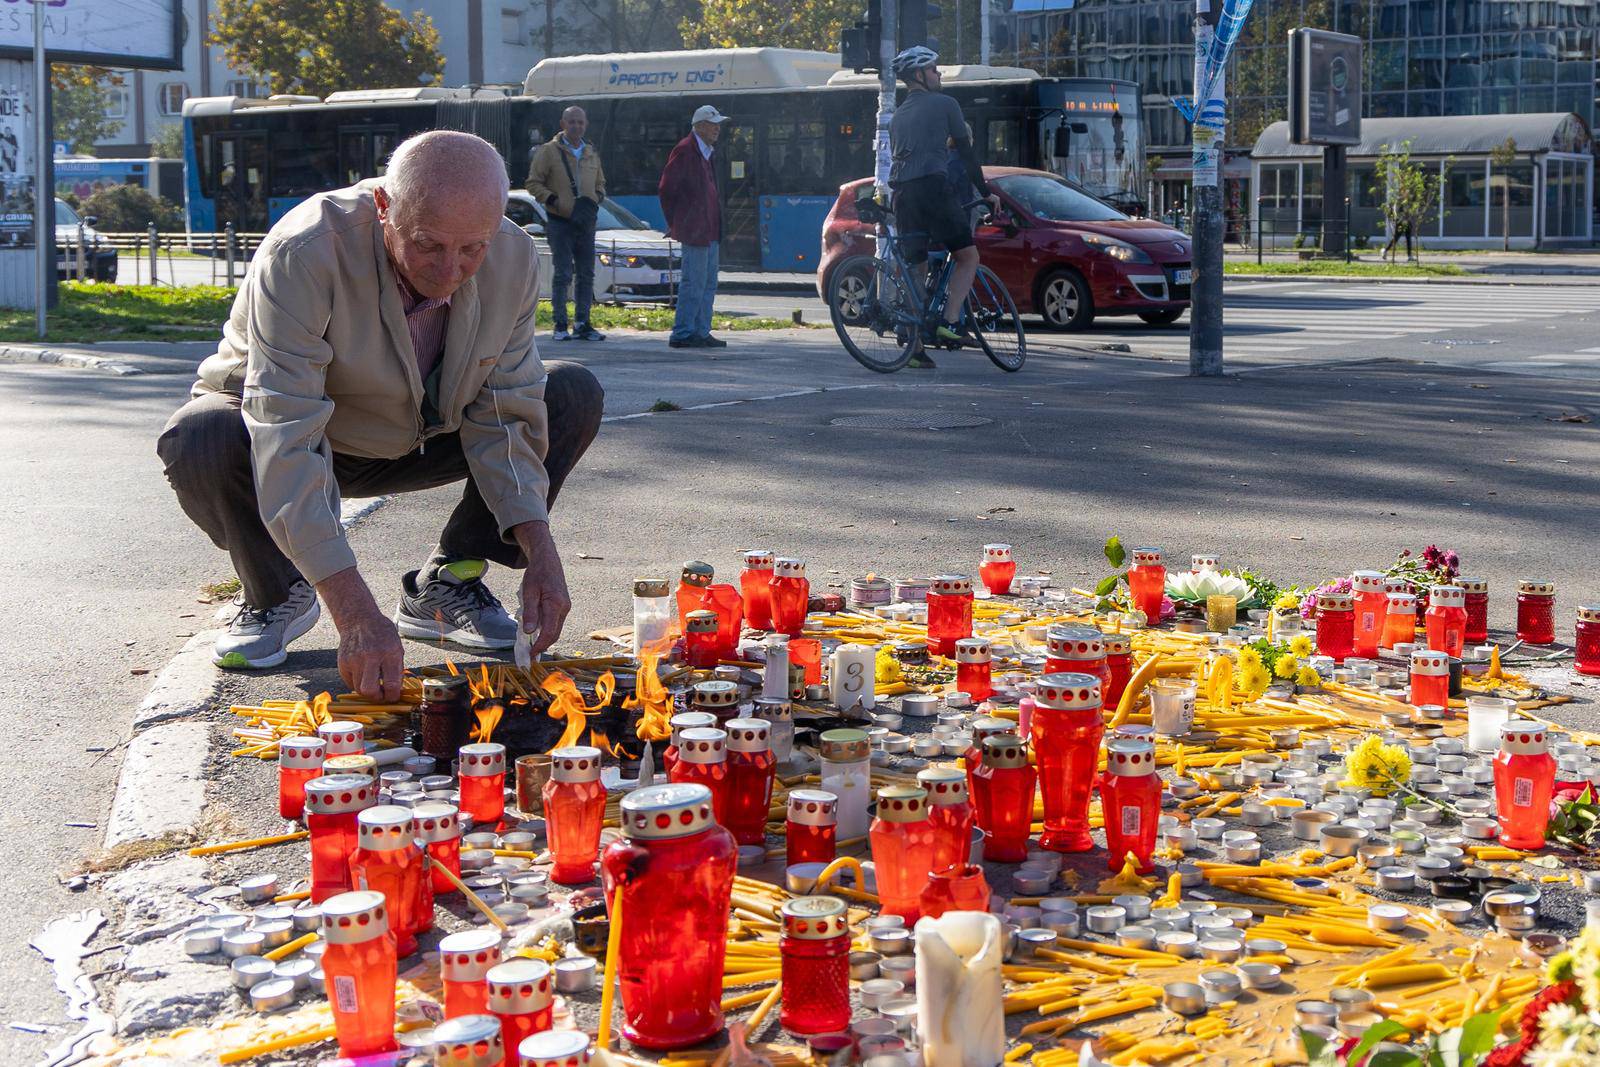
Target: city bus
{"type": "Point", "coordinates": [801, 127]}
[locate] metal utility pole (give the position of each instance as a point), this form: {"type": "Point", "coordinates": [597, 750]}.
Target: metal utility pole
{"type": "Point", "coordinates": [887, 47]}
{"type": "Point", "coordinates": [44, 201]}
{"type": "Point", "coordinates": [1205, 291]}
{"type": "Point", "coordinates": [983, 32]}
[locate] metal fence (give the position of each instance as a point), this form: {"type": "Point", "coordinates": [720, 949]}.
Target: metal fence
{"type": "Point", "coordinates": [228, 253]}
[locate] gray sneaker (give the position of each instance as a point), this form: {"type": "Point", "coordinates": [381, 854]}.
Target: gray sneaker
{"type": "Point", "coordinates": [259, 637]}
{"type": "Point", "coordinates": [449, 602]}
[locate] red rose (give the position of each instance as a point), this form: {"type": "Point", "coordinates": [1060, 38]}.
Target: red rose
{"type": "Point", "coordinates": [1560, 993]}
{"type": "Point", "coordinates": [1511, 1055]}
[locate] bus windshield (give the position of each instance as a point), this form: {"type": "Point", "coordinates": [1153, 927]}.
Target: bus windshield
{"type": "Point", "coordinates": [1054, 200]}
{"type": "Point", "coordinates": [1106, 155]}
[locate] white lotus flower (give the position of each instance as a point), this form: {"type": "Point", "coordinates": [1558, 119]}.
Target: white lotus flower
{"type": "Point", "coordinates": [1196, 587]}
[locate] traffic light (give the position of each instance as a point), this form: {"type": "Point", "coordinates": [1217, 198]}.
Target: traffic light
{"type": "Point", "coordinates": [859, 44]}
{"type": "Point", "coordinates": [915, 18]}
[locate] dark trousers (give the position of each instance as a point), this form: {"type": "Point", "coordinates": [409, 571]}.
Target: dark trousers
{"type": "Point", "coordinates": [572, 250]}
{"type": "Point", "coordinates": [205, 449]}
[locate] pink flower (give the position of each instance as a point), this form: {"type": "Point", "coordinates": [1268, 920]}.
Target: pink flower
{"type": "Point", "coordinates": [1168, 609]}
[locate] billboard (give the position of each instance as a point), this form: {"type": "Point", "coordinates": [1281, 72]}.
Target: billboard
{"type": "Point", "coordinates": [1324, 88]}
{"type": "Point", "coordinates": [112, 33]}
{"type": "Point", "coordinates": [16, 157]}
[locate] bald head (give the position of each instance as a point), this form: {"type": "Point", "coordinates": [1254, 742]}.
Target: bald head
{"type": "Point", "coordinates": [440, 203]}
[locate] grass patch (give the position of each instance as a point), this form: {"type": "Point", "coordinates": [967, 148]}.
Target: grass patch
{"type": "Point", "coordinates": [665, 405]}
{"type": "Point", "coordinates": [1357, 269]}
{"type": "Point", "coordinates": [217, 592]}
{"type": "Point", "coordinates": [90, 312]}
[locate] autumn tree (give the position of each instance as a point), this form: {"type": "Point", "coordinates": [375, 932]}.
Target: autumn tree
{"type": "Point", "coordinates": [770, 23]}
{"type": "Point", "coordinates": [1502, 156]}
{"type": "Point", "coordinates": [319, 47]}
{"type": "Point", "coordinates": [630, 25]}
{"type": "Point", "coordinates": [1409, 193]}
{"type": "Point", "coordinates": [80, 101]}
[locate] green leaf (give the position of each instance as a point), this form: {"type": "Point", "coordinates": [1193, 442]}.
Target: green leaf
{"type": "Point", "coordinates": [1371, 1036]}
{"type": "Point", "coordinates": [1389, 1058]}
{"type": "Point", "coordinates": [1115, 553]}
{"type": "Point", "coordinates": [1477, 1036]}
{"type": "Point", "coordinates": [1106, 585]}
{"type": "Point", "coordinates": [1313, 1044]}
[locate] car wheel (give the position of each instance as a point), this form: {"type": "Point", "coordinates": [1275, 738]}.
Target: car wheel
{"type": "Point", "coordinates": [1064, 300]}
{"type": "Point", "coordinates": [1162, 317]}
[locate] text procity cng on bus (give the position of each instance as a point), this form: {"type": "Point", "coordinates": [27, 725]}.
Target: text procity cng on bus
{"type": "Point", "coordinates": [644, 78]}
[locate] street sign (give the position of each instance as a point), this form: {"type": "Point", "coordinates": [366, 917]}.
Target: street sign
{"type": "Point", "coordinates": [1324, 87]}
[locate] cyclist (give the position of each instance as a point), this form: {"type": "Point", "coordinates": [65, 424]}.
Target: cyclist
{"type": "Point", "coordinates": [923, 130]}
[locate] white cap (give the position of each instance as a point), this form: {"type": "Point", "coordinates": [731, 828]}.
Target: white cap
{"type": "Point", "coordinates": [707, 113]}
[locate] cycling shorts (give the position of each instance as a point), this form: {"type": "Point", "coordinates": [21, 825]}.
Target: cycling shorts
{"type": "Point", "coordinates": [926, 210]}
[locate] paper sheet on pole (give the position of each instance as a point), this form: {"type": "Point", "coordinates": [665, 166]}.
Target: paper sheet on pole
{"type": "Point", "coordinates": [1207, 156]}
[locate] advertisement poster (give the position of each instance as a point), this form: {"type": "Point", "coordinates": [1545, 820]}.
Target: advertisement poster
{"type": "Point", "coordinates": [16, 163]}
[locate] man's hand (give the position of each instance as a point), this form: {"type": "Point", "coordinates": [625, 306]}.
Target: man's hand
{"type": "Point", "coordinates": [993, 200]}
{"type": "Point", "coordinates": [371, 658]}
{"type": "Point", "coordinates": [545, 602]}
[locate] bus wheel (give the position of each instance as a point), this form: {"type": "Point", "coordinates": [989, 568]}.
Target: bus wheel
{"type": "Point", "coordinates": [1064, 300]}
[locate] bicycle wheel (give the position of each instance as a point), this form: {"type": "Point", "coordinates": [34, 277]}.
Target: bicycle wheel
{"type": "Point", "coordinates": [993, 322]}
{"type": "Point", "coordinates": [874, 315]}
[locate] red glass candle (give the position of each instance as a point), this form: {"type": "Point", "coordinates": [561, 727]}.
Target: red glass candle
{"type": "Point", "coordinates": [751, 768]}
{"type": "Point", "coordinates": [482, 772]}
{"type": "Point", "coordinates": [684, 720]}
{"type": "Point", "coordinates": [1400, 620]}
{"type": "Point", "coordinates": [902, 850]}
{"type": "Point", "coordinates": [998, 569]}
{"type": "Point", "coordinates": [553, 1048]}
{"type": "Point", "coordinates": [574, 808]}
{"type": "Point", "coordinates": [973, 665]}
{"type": "Point", "coordinates": [1524, 778]}
{"type": "Point", "coordinates": [299, 761]}
{"type": "Point", "coordinates": [1588, 639]}
{"type": "Point", "coordinates": [438, 827]}
{"type": "Point", "coordinates": [1067, 727]}
{"type": "Point", "coordinates": [1147, 581]}
{"type": "Point", "coordinates": [1201, 561]}
{"type": "Point", "coordinates": [725, 600]}
{"type": "Point", "coordinates": [1011, 782]}
{"type": "Point", "coordinates": [341, 738]}
{"type": "Point", "coordinates": [700, 639]}
{"type": "Point", "coordinates": [359, 970]}
{"type": "Point", "coordinates": [468, 1041]}
{"type": "Point", "coordinates": [388, 861]}
{"type": "Point", "coordinates": [522, 997]}
{"type": "Point", "coordinates": [790, 595]}
{"type": "Point", "coordinates": [755, 582]}
{"type": "Point", "coordinates": [675, 867]}
{"type": "Point", "coordinates": [1336, 626]}
{"type": "Point", "coordinates": [332, 803]}
{"type": "Point", "coordinates": [1430, 678]}
{"type": "Point", "coordinates": [1119, 665]}
{"type": "Point", "coordinates": [444, 714]}
{"type": "Point", "coordinates": [815, 955]}
{"type": "Point", "coordinates": [703, 760]}
{"type": "Point", "coordinates": [806, 653]}
{"type": "Point", "coordinates": [693, 581]}
{"type": "Point", "coordinates": [1371, 608]}
{"type": "Point", "coordinates": [949, 613]}
{"type": "Point", "coordinates": [717, 698]}
{"type": "Point", "coordinates": [1077, 650]}
{"type": "Point", "coordinates": [465, 960]}
{"type": "Point", "coordinates": [1130, 797]}
{"type": "Point", "coordinates": [810, 827]}
{"type": "Point", "coordinates": [1477, 603]}
{"type": "Point", "coordinates": [959, 888]}
{"type": "Point", "coordinates": [1536, 611]}
{"type": "Point", "coordinates": [1447, 619]}
{"type": "Point", "coordinates": [950, 812]}
{"type": "Point", "coordinates": [977, 778]}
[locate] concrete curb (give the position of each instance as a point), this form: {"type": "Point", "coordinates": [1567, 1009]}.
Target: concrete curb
{"type": "Point", "coordinates": [60, 358]}
{"type": "Point", "coordinates": [1460, 279]}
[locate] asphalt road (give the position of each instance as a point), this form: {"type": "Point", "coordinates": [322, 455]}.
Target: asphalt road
{"type": "Point", "coordinates": [1315, 462]}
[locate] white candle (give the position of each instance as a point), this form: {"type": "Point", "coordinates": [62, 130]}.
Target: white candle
{"type": "Point", "coordinates": [851, 677]}
{"type": "Point", "coordinates": [960, 1018]}
{"type": "Point", "coordinates": [775, 680]}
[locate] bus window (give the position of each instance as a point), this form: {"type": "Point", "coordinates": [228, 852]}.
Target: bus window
{"type": "Point", "coordinates": [384, 142]}
{"type": "Point", "coordinates": [1003, 143]}
{"type": "Point", "coordinates": [304, 163]}
{"type": "Point", "coordinates": [795, 153]}
{"type": "Point", "coordinates": [352, 157]}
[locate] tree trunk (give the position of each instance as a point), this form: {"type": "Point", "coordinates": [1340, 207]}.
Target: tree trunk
{"type": "Point", "coordinates": [1505, 214]}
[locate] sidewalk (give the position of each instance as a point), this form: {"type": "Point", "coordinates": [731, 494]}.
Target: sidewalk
{"type": "Point", "coordinates": [1578, 262]}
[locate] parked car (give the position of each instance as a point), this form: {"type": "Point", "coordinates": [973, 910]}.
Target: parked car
{"type": "Point", "coordinates": [632, 261]}
{"type": "Point", "coordinates": [1063, 254]}
{"type": "Point", "coordinates": [99, 260]}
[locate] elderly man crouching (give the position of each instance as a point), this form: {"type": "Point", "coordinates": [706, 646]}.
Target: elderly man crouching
{"type": "Point", "coordinates": [383, 343]}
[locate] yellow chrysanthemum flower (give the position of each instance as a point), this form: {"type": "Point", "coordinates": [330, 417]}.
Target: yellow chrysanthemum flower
{"type": "Point", "coordinates": [1302, 645]}
{"type": "Point", "coordinates": [1376, 766]}
{"type": "Point", "coordinates": [1308, 677]}
{"type": "Point", "coordinates": [1249, 657]}
{"type": "Point", "coordinates": [1253, 679]}
{"type": "Point", "coordinates": [1286, 667]}
{"type": "Point", "coordinates": [886, 669]}
{"type": "Point", "coordinates": [1286, 602]}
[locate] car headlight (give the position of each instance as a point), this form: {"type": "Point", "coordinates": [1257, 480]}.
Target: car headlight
{"type": "Point", "coordinates": [614, 259]}
{"type": "Point", "coordinates": [1118, 250]}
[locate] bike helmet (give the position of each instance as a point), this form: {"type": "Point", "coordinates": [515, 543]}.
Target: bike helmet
{"type": "Point", "coordinates": [917, 57]}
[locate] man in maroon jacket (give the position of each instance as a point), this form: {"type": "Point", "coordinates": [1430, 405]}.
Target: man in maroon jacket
{"type": "Point", "coordinates": [693, 206]}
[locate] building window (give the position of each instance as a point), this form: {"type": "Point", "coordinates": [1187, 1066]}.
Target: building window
{"type": "Point", "coordinates": [1464, 186]}
{"type": "Point", "coordinates": [116, 103]}
{"type": "Point", "coordinates": [512, 30]}
{"type": "Point", "coordinates": [243, 87]}
{"type": "Point", "coordinates": [172, 96]}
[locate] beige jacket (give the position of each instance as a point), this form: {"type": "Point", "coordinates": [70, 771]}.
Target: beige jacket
{"type": "Point", "coordinates": [547, 177]}
{"type": "Point", "coordinates": [317, 347]}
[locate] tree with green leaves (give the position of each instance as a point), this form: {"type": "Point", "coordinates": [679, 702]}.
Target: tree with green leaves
{"type": "Point", "coordinates": [319, 47]}
{"type": "Point", "coordinates": [774, 23]}
{"type": "Point", "coordinates": [168, 142]}
{"type": "Point", "coordinates": [80, 101]}
{"type": "Point", "coordinates": [1409, 196]}
{"type": "Point", "coordinates": [1501, 157]}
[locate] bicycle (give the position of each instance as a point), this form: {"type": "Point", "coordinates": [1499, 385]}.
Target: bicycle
{"type": "Point", "coordinates": [881, 316]}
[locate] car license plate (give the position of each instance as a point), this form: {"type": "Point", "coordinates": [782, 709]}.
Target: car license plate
{"type": "Point", "coordinates": [1182, 277]}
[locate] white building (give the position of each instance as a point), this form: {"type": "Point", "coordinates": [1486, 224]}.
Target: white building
{"type": "Point", "coordinates": [484, 42]}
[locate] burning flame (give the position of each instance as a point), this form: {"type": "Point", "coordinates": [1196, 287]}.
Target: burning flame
{"type": "Point", "coordinates": [451, 667]}
{"type": "Point", "coordinates": [319, 708]}
{"type": "Point", "coordinates": [598, 738]}
{"type": "Point", "coordinates": [567, 703]}
{"type": "Point", "coordinates": [482, 688]}
{"type": "Point", "coordinates": [652, 700]}
{"type": "Point", "coordinates": [488, 718]}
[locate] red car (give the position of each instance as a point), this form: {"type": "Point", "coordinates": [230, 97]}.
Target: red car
{"type": "Point", "coordinates": [1063, 254]}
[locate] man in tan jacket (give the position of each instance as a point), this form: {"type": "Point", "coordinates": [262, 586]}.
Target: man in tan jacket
{"type": "Point", "coordinates": [383, 342]}
{"type": "Point", "coordinates": [565, 176]}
